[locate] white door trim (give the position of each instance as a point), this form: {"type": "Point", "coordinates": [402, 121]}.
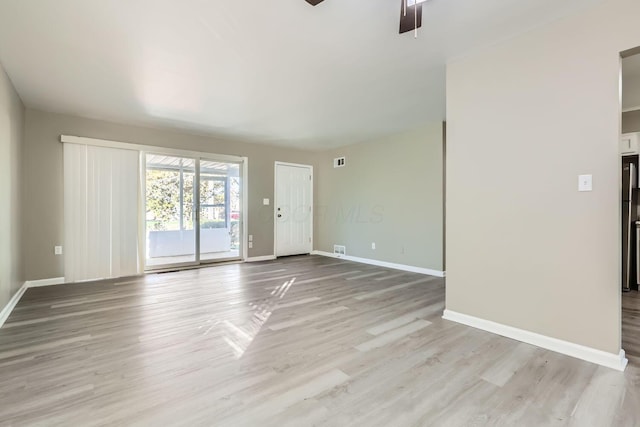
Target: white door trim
{"type": "Point", "coordinates": [275, 203]}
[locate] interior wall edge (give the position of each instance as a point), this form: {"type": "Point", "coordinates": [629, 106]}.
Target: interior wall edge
{"type": "Point", "coordinates": [12, 138]}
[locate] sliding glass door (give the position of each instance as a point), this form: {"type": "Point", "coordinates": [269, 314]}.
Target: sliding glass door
{"type": "Point", "coordinates": [219, 210]}
{"type": "Point", "coordinates": [193, 212]}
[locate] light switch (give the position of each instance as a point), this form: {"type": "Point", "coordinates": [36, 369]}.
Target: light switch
{"type": "Point", "coordinates": [265, 202]}
{"type": "Point", "coordinates": [585, 182]}
{"type": "Point", "coordinates": [57, 250]}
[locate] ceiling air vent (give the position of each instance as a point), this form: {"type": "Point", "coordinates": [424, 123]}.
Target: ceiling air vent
{"type": "Point", "coordinates": [338, 163]}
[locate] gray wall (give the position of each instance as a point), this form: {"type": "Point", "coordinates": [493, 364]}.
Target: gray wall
{"type": "Point", "coordinates": [524, 247]}
{"type": "Point", "coordinates": [11, 138]}
{"type": "Point", "coordinates": [631, 121]}
{"type": "Point", "coordinates": [43, 202]}
{"type": "Point", "coordinates": [390, 193]}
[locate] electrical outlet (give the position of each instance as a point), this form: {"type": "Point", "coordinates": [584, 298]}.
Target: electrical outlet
{"type": "Point", "coordinates": [57, 250]}
{"type": "Point", "coordinates": [250, 245]}
{"type": "Point", "coordinates": [373, 245]}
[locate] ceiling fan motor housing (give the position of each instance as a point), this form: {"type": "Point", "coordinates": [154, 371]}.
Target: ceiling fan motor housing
{"type": "Point", "coordinates": [314, 2]}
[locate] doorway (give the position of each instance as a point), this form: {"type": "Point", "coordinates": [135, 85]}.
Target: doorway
{"type": "Point", "coordinates": [630, 207]}
{"type": "Point", "coordinates": [192, 211]}
{"type": "Point", "coordinates": [293, 209]}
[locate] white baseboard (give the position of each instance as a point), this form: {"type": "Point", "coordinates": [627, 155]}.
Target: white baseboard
{"type": "Point", "coordinates": [44, 282]}
{"type": "Point", "coordinates": [610, 360]}
{"type": "Point", "coordinates": [393, 265]}
{"type": "Point", "coordinates": [260, 258]}
{"type": "Point", "coordinates": [6, 311]}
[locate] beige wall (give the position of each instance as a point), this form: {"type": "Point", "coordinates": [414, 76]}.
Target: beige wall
{"type": "Point", "coordinates": [43, 203]}
{"type": "Point", "coordinates": [390, 193]}
{"type": "Point", "coordinates": [524, 119]}
{"type": "Point", "coordinates": [631, 121]}
{"type": "Point", "coordinates": [11, 138]}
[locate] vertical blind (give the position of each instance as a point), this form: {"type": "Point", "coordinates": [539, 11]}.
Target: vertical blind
{"type": "Point", "coordinates": [101, 195]}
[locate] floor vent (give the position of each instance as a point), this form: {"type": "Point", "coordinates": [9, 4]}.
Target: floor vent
{"type": "Point", "coordinates": [339, 250]}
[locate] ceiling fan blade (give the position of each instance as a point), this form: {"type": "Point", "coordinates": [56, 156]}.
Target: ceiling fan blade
{"type": "Point", "coordinates": [314, 2]}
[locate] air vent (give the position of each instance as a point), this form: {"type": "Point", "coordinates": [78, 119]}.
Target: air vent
{"type": "Point", "coordinates": [339, 162]}
{"type": "Point", "coordinates": [339, 250]}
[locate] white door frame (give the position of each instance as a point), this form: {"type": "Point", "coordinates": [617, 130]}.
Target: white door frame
{"type": "Point", "coordinates": [275, 204]}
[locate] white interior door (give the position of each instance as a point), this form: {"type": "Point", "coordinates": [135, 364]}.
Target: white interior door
{"type": "Point", "coordinates": [293, 209]}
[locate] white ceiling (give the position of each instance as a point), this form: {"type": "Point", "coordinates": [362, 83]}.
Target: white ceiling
{"type": "Point", "coordinates": [272, 71]}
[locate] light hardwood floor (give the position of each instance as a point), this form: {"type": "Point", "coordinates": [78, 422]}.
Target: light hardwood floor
{"type": "Point", "coordinates": [298, 341]}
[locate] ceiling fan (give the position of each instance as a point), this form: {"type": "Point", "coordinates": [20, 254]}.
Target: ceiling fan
{"type": "Point", "coordinates": [410, 14]}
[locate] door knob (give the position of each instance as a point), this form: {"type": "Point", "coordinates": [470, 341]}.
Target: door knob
{"type": "Point", "coordinates": [279, 216]}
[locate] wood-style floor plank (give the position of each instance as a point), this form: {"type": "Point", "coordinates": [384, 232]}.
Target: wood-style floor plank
{"type": "Point", "coordinates": [298, 341]}
{"type": "Point", "coordinates": [631, 325]}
